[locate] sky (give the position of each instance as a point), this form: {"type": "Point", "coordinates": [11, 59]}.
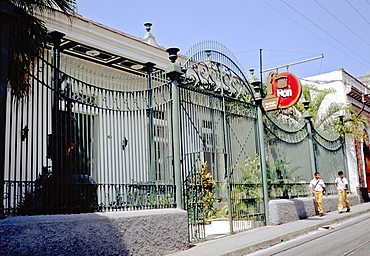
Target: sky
{"type": "Point", "coordinates": [287, 31]}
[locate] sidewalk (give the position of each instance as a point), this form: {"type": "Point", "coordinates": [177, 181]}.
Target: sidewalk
{"type": "Point", "coordinates": [250, 241]}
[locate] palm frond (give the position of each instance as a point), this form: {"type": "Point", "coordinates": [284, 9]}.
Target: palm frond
{"type": "Point", "coordinates": [28, 36]}
{"type": "Point", "coordinates": [68, 7]}
{"type": "Point", "coordinates": [333, 111]}
{"type": "Point", "coordinates": [327, 119]}
{"type": "Point", "coordinates": [351, 123]}
{"type": "Point", "coordinates": [27, 41]}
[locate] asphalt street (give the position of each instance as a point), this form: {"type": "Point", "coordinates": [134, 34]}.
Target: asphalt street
{"type": "Point", "coordinates": [350, 237]}
{"type": "Point", "coordinates": [346, 234]}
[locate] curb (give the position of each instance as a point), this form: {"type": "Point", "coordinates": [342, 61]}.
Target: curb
{"type": "Point", "coordinates": [289, 236]}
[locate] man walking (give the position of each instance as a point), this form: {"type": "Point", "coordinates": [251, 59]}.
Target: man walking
{"type": "Point", "coordinates": [341, 184]}
{"type": "Point", "coordinates": [317, 186]}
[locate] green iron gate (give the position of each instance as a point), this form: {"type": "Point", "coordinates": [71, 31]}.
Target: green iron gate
{"type": "Point", "coordinates": [218, 135]}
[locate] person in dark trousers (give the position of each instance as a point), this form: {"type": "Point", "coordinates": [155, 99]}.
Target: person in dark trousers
{"type": "Point", "coordinates": [317, 187]}
{"type": "Point", "coordinates": [341, 184]}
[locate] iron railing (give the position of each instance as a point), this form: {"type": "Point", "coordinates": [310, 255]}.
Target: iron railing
{"type": "Point", "coordinates": [80, 141]}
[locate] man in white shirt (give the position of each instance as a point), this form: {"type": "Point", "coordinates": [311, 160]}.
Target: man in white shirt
{"type": "Point", "coordinates": [317, 186]}
{"type": "Point", "coordinates": [341, 184]}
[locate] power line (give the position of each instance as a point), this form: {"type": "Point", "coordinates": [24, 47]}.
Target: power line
{"type": "Point", "coordinates": [246, 51]}
{"type": "Point", "coordinates": [278, 10]}
{"type": "Point", "coordinates": [292, 64]}
{"type": "Point", "coordinates": [280, 62]}
{"type": "Point", "coordinates": [276, 50]}
{"type": "Point", "coordinates": [358, 11]}
{"type": "Point", "coordinates": [283, 61]}
{"type": "Point", "coordinates": [273, 7]}
{"type": "Point", "coordinates": [329, 35]}
{"type": "Point", "coordinates": [341, 22]}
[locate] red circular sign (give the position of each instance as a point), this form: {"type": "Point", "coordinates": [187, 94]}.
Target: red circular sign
{"type": "Point", "coordinates": [286, 87]}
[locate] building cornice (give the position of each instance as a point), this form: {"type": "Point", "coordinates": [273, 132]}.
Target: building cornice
{"type": "Point", "coordinates": [96, 35]}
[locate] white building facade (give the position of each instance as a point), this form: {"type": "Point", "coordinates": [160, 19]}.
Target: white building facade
{"type": "Point", "coordinates": [349, 90]}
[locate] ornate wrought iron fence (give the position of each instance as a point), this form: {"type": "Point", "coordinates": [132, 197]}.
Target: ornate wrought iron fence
{"type": "Point", "coordinates": [96, 139]}
{"type": "Point", "coordinates": [329, 155]}
{"type": "Point", "coordinates": [80, 142]}
{"type": "Point", "coordinates": [288, 157]}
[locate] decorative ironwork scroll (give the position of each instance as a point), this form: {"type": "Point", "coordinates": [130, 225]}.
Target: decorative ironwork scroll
{"type": "Point", "coordinates": [213, 68]}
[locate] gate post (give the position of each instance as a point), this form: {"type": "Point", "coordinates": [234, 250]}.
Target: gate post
{"type": "Point", "coordinates": [261, 149]}
{"type": "Point", "coordinates": [57, 146]}
{"type": "Point", "coordinates": [152, 165]}
{"type": "Point", "coordinates": [174, 72]}
{"type": "Point", "coordinates": [344, 149]}
{"type": "Point", "coordinates": [6, 15]}
{"type": "Point", "coordinates": [307, 116]}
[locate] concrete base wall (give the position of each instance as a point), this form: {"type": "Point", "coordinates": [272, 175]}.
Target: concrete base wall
{"type": "Point", "coordinates": [288, 210]}
{"type": "Point", "coordinates": [148, 232]}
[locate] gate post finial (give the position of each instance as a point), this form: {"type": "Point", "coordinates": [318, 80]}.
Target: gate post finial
{"type": "Point", "coordinates": [173, 70]}
{"type": "Point", "coordinates": [55, 37]}
{"type": "Point", "coordinates": [307, 114]}
{"type": "Point", "coordinates": [172, 51]}
{"type": "Point", "coordinates": [257, 91]}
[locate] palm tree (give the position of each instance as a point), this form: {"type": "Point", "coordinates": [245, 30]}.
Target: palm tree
{"type": "Point", "coordinates": [28, 36]}
{"type": "Point", "coordinates": [324, 119]}
{"type": "Point", "coordinates": [337, 117]}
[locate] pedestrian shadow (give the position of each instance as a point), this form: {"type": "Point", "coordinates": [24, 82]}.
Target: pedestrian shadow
{"type": "Point", "coordinates": [300, 209]}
